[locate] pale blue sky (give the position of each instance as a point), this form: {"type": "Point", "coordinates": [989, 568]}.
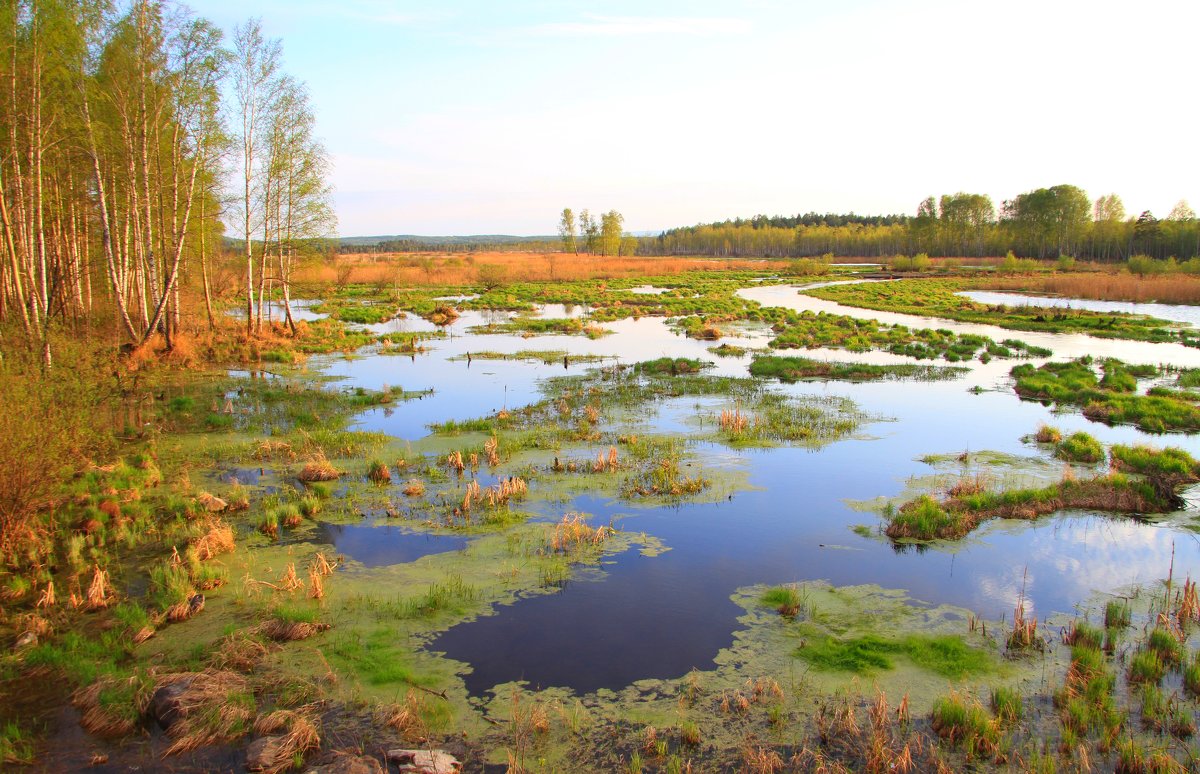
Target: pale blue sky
{"type": "Point", "coordinates": [490, 117]}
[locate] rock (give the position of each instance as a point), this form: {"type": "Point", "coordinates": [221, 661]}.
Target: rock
{"type": "Point", "coordinates": [425, 761]}
{"type": "Point", "coordinates": [26, 640]}
{"type": "Point", "coordinates": [264, 753]}
{"type": "Point", "coordinates": [346, 763]}
{"type": "Point", "coordinates": [211, 503]}
{"type": "Point", "coordinates": [164, 704]}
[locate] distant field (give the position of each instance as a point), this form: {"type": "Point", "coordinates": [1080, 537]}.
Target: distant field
{"type": "Point", "coordinates": [464, 269]}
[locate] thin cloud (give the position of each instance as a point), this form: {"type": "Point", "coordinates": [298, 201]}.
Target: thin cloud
{"type": "Point", "coordinates": [624, 26]}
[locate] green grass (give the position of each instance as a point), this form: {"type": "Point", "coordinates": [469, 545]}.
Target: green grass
{"type": "Point", "coordinates": [1169, 650]}
{"type": "Point", "coordinates": [1117, 614]}
{"type": "Point", "coordinates": [297, 614]}
{"type": "Point", "coordinates": [170, 585]}
{"type": "Point", "coordinates": [1080, 447]}
{"type": "Point", "coordinates": [1146, 666]}
{"type": "Point", "coordinates": [963, 722]}
{"type": "Point", "coordinates": [1171, 462]}
{"type": "Point", "coordinates": [924, 518]}
{"type": "Point", "coordinates": [1076, 383]}
{"type": "Point", "coordinates": [785, 599]}
{"type": "Point", "coordinates": [946, 655]}
{"type": "Point", "coordinates": [1084, 634]}
{"type": "Point", "coordinates": [1007, 704]}
{"type": "Point", "coordinates": [793, 369]}
{"type": "Point", "coordinates": [938, 298]}
{"type": "Point", "coordinates": [15, 746]}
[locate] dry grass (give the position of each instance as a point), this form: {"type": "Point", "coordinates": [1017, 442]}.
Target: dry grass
{"type": "Point", "coordinates": [406, 269]}
{"type": "Point", "coordinates": [318, 469]}
{"type": "Point", "coordinates": [291, 631]}
{"type": "Point", "coordinates": [407, 718]}
{"type": "Point", "coordinates": [316, 584]}
{"type": "Point", "coordinates": [238, 651]}
{"type": "Point", "coordinates": [100, 714]}
{"type": "Point", "coordinates": [573, 534]}
{"type": "Point", "coordinates": [414, 488]}
{"type": "Point", "coordinates": [734, 421]}
{"type": "Point", "coordinates": [48, 598]}
{"type": "Point", "coordinates": [99, 593]}
{"type": "Point", "coordinates": [182, 611]}
{"type": "Point", "coordinates": [276, 754]}
{"type": "Point", "coordinates": [1173, 288]}
{"type": "Point", "coordinates": [214, 706]}
{"type": "Point", "coordinates": [969, 485]}
{"type": "Point", "coordinates": [218, 540]}
{"type": "Point", "coordinates": [274, 450]}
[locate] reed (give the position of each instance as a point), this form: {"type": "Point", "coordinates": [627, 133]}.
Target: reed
{"type": "Point", "coordinates": [318, 469]}
{"type": "Point", "coordinates": [379, 473]}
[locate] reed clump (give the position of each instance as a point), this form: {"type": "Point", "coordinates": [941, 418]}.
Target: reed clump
{"type": "Point", "coordinates": [573, 535]}
{"type": "Point", "coordinates": [319, 469]}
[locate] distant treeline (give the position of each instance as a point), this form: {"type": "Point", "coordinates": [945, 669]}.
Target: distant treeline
{"type": "Point", "coordinates": [1044, 223]}
{"type": "Point", "coordinates": [488, 243]}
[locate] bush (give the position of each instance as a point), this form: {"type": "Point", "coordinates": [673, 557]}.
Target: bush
{"type": "Point", "coordinates": [49, 426]}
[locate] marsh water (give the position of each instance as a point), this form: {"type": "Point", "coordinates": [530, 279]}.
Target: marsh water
{"type": "Point", "coordinates": [638, 616]}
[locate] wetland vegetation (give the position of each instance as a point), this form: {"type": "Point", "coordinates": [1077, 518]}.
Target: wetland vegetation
{"type": "Point", "coordinates": [283, 503]}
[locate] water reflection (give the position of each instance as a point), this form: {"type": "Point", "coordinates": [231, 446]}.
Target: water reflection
{"type": "Point", "coordinates": [661, 616]}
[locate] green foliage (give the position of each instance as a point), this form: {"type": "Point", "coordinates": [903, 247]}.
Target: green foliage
{"type": "Point", "coordinates": [792, 369]}
{"type": "Point", "coordinates": [1116, 614]}
{"type": "Point", "coordinates": [1075, 383]}
{"type": "Point", "coordinates": [1007, 704]}
{"type": "Point", "coordinates": [1172, 462]}
{"type": "Point", "coordinates": [170, 585]}
{"type": "Point", "coordinates": [1080, 447]}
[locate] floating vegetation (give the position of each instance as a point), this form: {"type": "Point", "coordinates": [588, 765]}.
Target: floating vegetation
{"type": "Point", "coordinates": [1076, 383]}
{"type": "Point", "coordinates": [793, 369]}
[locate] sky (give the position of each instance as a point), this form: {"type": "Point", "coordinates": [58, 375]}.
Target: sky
{"type": "Point", "coordinates": [491, 116]}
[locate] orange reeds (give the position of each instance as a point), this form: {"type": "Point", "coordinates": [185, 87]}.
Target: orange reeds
{"type": "Point", "coordinates": [218, 540]}
{"type": "Point", "coordinates": [574, 533]}
{"type": "Point", "coordinates": [734, 421]}
{"type": "Point", "coordinates": [98, 592]}
{"type": "Point", "coordinates": [316, 585]}
{"type": "Point", "coordinates": [491, 450]}
{"type": "Point", "coordinates": [455, 460]}
{"type": "Point", "coordinates": [453, 269]}
{"type": "Point", "coordinates": [414, 488]}
{"type": "Point", "coordinates": [318, 469]}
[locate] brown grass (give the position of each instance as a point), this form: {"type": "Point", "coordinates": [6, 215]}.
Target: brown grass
{"type": "Point", "coordinates": [280, 753]}
{"type": "Point", "coordinates": [238, 651]}
{"type": "Point", "coordinates": [218, 540]}
{"type": "Point", "coordinates": [1173, 288]}
{"type": "Point", "coordinates": [1047, 434]}
{"type": "Point", "coordinates": [290, 631]}
{"type": "Point", "coordinates": [99, 717]}
{"type": "Point", "coordinates": [316, 584]}
{"type": "Point", "coordinates": [414, 488]}
{"type": "Point", "coordinates": [49, 597]}
{"type": "Point", "coordinates": [318, 469]}
{"type": "Point", "coordinates": [99, 592]}
{"type": "Point", "coordinates": [455, 269]}
{"type": "Point", "coordinates": [206, 713]}
{"type": "Point", "coordinates": [573, 533]}
{"type": "Point", "coordinates": [407, 718]}
{"type": "Point", "coordinates": [274, 450]}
